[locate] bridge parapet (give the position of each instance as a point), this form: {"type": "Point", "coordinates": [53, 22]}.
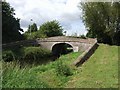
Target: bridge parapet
{"type": "Point", "coordinates": [76, 43]}
{"type": "Point", "coordinates": [20, 44]}
{"type": "Point", "coordinates": [66, 39]}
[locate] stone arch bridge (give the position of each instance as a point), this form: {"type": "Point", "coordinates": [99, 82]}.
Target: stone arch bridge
{"type": "Point", "coordinates": [54, 44]}
{"type": "Point", "coordinates": [77, 44]}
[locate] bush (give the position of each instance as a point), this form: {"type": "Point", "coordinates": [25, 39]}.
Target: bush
{"type": "Point", "coordinates": [7, 56]}
{"type": "Point", "coordinates": [35, 53]}
{"type": "Point", "coordinates": [83, 37]}
{"type": "Point", "coordinates": [30, 36]}
{"type": "Point", "coordinates": [34, 35]}
{"type": "Point", "coordinates": [62, 69]}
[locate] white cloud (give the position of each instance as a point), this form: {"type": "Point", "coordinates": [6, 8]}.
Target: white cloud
{"type": "Point", "coordinates": [65, 11]}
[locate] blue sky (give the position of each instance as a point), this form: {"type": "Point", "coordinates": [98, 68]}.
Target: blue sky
{"type": "Point", "coordinates": [65, 11]}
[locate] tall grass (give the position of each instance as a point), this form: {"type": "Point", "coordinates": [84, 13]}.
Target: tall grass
{"type": "Point", "coordinates": [17, 73]}
{"type": "Point", "coordinates": [14, 77]}
{"type": "Point", "coordinates": [36, 76]}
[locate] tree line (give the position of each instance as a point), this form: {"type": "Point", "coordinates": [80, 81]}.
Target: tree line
{"type": "Point", "coordinates": [47, 29]}
{"type": "Point", "coordinates": [102, 20]}
{"type": "Point", "coordinates": [11, 27]}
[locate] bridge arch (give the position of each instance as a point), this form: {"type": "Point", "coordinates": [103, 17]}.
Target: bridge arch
{"type": "Point", "coordinates": [61, 48]}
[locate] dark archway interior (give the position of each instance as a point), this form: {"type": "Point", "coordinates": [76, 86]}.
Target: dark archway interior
{"type": "Point", "coordinates": [61, 48]}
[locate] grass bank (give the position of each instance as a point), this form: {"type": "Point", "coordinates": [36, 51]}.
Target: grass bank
{"type": "Point", "coordinates": [42, 76]}
{"type": "Point", "coordinates": [100, 71]}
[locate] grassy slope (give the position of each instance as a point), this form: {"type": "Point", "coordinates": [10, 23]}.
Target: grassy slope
{"type": "Point", "coordinates": [49, 75]}
{"type": "Point", "coordinates": [101, 70]}
{"type": "Point", "coordinates": [35, 77]}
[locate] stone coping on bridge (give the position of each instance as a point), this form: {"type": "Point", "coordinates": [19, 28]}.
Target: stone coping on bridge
{"type": "Point", "coordinates": [19, 43]}
{"type": "Point", "coordinates": [36, 42]}
{"type": "Point", "coordinates": [67, 39]}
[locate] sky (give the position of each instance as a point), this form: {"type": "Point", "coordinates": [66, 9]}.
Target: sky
{"type": "Point", "coordinates": [40, 11]}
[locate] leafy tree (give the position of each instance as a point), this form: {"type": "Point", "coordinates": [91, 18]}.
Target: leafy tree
{"type": "Point", "coordinates": [83, 36]}
{"type": "Point", "coordinates": [74, 34]}
{"type": "Point", "coordinates": [28, 30]}
{"type": "Point", "coordinates": [33, 33]}
{"type": "Point", "coordinates": [48, 29]}
{"type": "Point", "coordinates": [10, 24]}
{"type": "Point", "coordinates": [102, 20]}
{"type": "Point", "coordinates": [51, 28]}
{"type": "Point", "coordinates": [32, 28]}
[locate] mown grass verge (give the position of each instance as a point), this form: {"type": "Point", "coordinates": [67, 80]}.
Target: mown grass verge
{"type": "Point", "coordinates": [100, 71]}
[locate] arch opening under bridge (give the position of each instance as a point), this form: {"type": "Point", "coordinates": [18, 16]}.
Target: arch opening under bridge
{"type": "Point", "coordinates": [61, 48]}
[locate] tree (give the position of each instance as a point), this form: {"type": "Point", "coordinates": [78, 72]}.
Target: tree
{"type": "Point", "coordinates": [32, 28]}
{"type": "Point", "coordinates": [10, 24]}
{"type": "Point", "coordinates": [102, 20]}
{"type": "Point", "coordinates": [51, 28]}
